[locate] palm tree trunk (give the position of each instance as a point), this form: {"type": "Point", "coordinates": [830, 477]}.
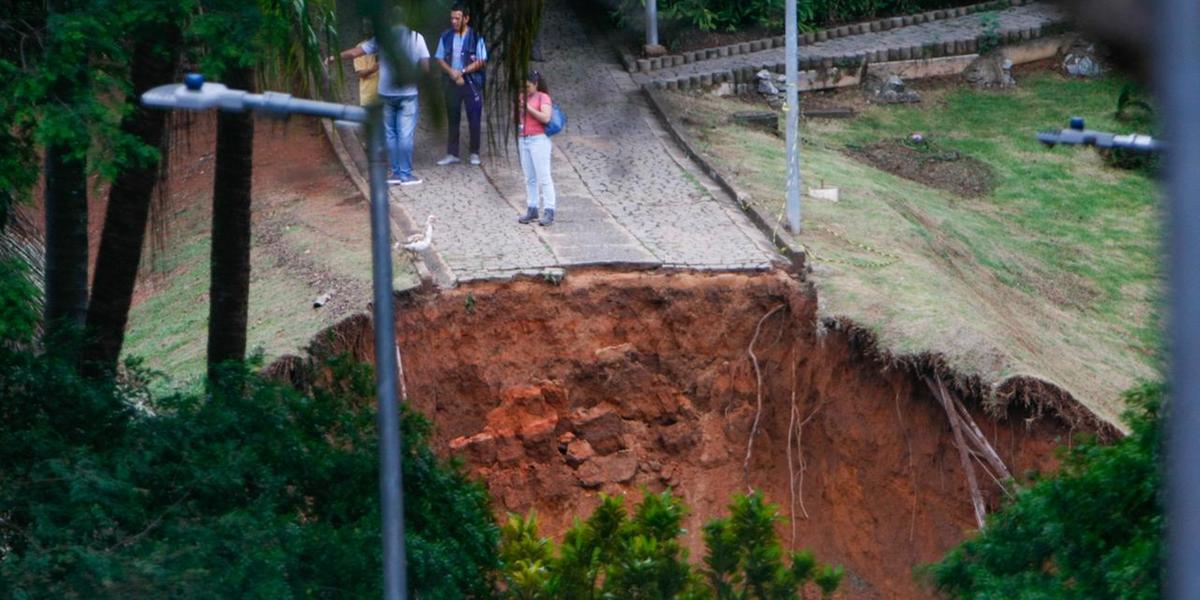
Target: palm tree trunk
{"type": "Point", "coordinates": [66, 241]}
{"type": "Point", "coordinates": [128, 208]}
{"type": "Point", "coordinates": [65, 204]}
{"type": "Point", "coordinates": [229, 287]}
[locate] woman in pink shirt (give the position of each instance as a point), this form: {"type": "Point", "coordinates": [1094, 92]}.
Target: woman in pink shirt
{"type": "Point", "coordinates": [535, 148]}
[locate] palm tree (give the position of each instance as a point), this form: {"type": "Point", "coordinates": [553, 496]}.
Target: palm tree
{"type": "Point", "coordinates": [65, 174]}
{"type": "Point", "coordinates": [279, 41]}
{"type": "Point", "coordinates": [155, 59]}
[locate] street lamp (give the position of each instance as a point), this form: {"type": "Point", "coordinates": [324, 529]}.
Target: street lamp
{"type": "Point", "coordinates": [197, 94]}
{"type": "Point", "coordinates": [792, 108]}
{"type": "Point", "coordinates": [1076, 135]}
{"type": "Point", "coordinates": [651, 24]}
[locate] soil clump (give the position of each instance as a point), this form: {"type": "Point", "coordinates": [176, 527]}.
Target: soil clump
{"type": "Point", "coordinates": [928, 164]}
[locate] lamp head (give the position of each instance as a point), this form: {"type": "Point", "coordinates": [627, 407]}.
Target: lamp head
{"type": "Point", "coordinates": [195, 94]}
{"type": "Point", "coordinates": [193, 81]}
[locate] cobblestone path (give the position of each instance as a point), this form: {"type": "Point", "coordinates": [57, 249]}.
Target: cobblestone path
{"type": "Point", "coordinates": [623, 199]}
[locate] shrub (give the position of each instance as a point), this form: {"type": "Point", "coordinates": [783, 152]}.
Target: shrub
{"type": "Point", "coordinates": [733, 15]}
{"type": "Point", "coordinates": [1095, 530]}
{"type": "Point", "coordinates": [253, 490]}
{"type": "Point", "coordinates": [611, 555]}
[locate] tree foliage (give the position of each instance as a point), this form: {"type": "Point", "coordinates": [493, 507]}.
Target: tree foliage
{"type": "Point", "coordinates": [614, 555]}
{"type": "Point", "coordinates": [733, 15]}
{"type": "Point", "coordinates": [252, 490]}
{"type": "Point", "coordinates": [1094, 530]}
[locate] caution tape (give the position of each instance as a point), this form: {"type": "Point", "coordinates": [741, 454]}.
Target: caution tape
{"type": "Point", "coordinates": [891, 259]}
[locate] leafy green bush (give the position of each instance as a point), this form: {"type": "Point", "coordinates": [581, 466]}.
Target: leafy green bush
{"type": "Point", "coordinates": [611, 555]}
{"type": "Point", "coordinates": [734, 15]}
{"type": "Point", "coordinates": [1095, 530]}
{"type": "Point", "coordinates": [253, 490]}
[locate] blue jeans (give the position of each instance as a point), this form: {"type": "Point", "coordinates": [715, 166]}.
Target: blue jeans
{"type": "Point", "coordinates": [535, 162]}
{"type": "Point", "coordinates": [399, 124]}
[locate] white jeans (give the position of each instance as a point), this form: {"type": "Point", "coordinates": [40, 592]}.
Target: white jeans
{"type": "Point", "coordinates": [535, 162]}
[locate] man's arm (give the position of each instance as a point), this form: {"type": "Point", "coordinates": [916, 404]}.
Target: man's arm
{"type": "Point", "coordinates": [423, 53]}
{"type": "Point", "coordinates": [438, 54]}
{"type": "Point", "coordinates": [480, 58]}
{"type": "Point", "coordinates": [354, 52]}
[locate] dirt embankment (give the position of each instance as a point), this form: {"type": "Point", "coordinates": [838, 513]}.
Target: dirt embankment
{"type": "Point", "coordinates": [613, 381]}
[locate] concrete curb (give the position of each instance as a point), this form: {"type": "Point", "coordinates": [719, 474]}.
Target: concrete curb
{"type": "Point", "coordinates": [847, 71]}
{"type": "Point", "coordinates": [650, 65]}
{"type": "Point", "coordinates": [780, 238]}
{"type": "Point", "coordinates": [430, 268]}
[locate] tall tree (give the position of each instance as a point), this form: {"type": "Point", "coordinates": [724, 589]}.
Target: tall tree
{"type": "Point", "coordinates": [65, 174]}
{"type": "Point", "coordinates": [280, 40]}
{"type": "Point", "coordinates": [229, 284]}
{"type": "Point", "coordinates": [156, 52]}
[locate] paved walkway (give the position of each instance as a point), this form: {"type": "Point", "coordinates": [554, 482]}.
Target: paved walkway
{"type": "Point", "coordinates": [957, 29]}
{"type": "Point", "coordinates": [623, 197]}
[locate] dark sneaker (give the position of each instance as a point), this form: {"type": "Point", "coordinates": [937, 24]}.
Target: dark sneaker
{"type": "Point", "coordinates": [411, 180]}
{"type": "Point", "coordinates": [394, 179]}
{"type": "Point", "coordinates": [531, 215]}
{"type": "Point", "coordinates": [547, 218]}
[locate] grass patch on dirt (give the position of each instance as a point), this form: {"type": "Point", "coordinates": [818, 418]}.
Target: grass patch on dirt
{"type": "Point", "coordinates": [1056, 273]}
{"type": "Point", "coordinates": [311, 236]}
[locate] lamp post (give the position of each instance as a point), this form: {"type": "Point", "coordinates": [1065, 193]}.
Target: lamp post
{"type": "Point", "coordinates": [651, 23]}
{"type": "Point", "coordinates": [792, 108]}
{"type": "Point", "coordinates": [1178, 80]}
{"type": "Point", "coordinates": [1076, 135]}
{"type": "Point", "coordinates": [196, 94]}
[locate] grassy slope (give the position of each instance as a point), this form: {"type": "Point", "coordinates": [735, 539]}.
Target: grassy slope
{"type": "Point", "coordinates": [1055, 274]}
{"type": "Point", "coordinates": [323, 235]}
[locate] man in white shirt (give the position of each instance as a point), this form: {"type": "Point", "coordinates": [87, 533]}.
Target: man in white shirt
{"type": "Point", "coordinates": [398, 94]}
{"type": "Point", "coordinates": [462, 55]}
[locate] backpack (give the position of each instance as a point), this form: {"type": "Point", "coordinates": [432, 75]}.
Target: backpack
{"type": "Point", "coordinates": [558, 121]}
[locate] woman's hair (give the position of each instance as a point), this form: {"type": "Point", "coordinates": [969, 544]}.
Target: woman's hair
{"type": "Point", "coordinates": [536, 78]}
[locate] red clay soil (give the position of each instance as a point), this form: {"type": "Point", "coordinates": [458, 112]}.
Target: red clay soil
{"type": "Point", "coordinates": [613, 381]}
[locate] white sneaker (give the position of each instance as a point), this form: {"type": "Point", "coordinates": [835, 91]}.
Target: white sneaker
{"type": "Point", "coordinates": [448, 160]}
{"type": "Point", "coordinates": [475, 160]}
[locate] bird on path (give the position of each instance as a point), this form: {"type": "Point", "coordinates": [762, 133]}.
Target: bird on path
{"type": "Point", "coordinates": [420, 242]}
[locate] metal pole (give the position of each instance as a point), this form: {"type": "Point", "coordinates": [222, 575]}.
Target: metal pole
{"type": "Point", "coordinates": [391, 486]}
{"type": "Point", "coordinates": [195, 94]}
{"type": "Point", "coordinates": [1178, 80]}
{"type": "Point", "coordinates": [792, 112]}
{"type": "Point", "coordinates": [651, 22]}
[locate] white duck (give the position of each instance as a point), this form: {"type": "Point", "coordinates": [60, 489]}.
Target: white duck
{"type": "Point", "coordinates": [420, 242]}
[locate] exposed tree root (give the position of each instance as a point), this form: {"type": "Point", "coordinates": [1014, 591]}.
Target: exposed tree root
{"type": "Point", "coordinates": [971, 444]}
{"type": "Point", "coordinates": [400, 376]}
{"type": "Point", "coordinates": [912, 471]}
{"type": "Point", "coordinates": [963, 454]}
{"type": "Point", "coordinates": [758, 394]}
{"type": "Point", "coordinates": [791, 469]}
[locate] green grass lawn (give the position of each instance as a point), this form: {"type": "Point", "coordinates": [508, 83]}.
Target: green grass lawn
{"type": "Point", "coordinates": [1055, 274]}
{"type": "Point", "coordinates": [168, 327]}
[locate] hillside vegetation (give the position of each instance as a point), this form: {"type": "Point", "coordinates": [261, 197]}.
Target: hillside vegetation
{"type": "Point", "coordinates": [1051, 270]}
